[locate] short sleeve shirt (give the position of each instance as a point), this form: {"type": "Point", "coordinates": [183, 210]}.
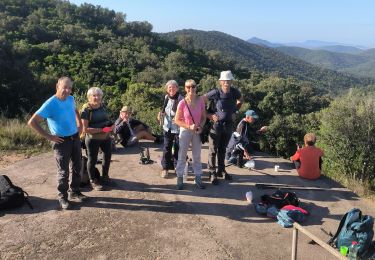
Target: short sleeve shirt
{"type": "Point", "coordinates": [60, 115]}
{"type": "Point", "coordinates": [98, 118]}
{"type": "Point", "coordinates": [226, 102]}
{"type": "Point", "coordinates": [309, 158]}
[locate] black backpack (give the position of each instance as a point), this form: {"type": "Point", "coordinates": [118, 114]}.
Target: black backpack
{"type": "Point", "coordinates": [85, 180]}
{"type": "Point", "coordinates": [280, 199]}
{"type": "Point", "coordinates": [11, 196]}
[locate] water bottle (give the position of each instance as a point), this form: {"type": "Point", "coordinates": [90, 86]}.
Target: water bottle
{"type": "Point", "coordinates": [353, 251]}
{"type": "Point", "coordinates": [186, 171]}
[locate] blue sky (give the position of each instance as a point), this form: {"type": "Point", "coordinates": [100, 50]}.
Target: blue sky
{"type": "Point", "coordinates": [344, 21]}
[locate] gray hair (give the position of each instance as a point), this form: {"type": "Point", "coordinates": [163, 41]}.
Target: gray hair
{"type": "Point", "coordinates": [171, 82]}
{"type": "Point", "coordinates": [64, 79]}
{"type": "Point", "coordinates": [94, 90]}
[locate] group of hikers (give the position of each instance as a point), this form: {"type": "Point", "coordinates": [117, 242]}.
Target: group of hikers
{"type": "Point", "coordinates": [183, 119]}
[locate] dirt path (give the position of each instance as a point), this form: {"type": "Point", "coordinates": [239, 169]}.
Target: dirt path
{"type": "Point", "coordinates": [143, 216]}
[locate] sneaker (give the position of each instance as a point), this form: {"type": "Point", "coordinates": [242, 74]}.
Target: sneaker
{"type": "Point", "coordinates": [198, 182]}
{"type": "Point", "coordinates": [227, 176]}
{"type": "Point", "coordinates": [213, 178]}
{"type": "Point", "coordinates": [96, 185]}
{"type": "Point", "coordinates": [64, 203]}
{"type": "Point", "coordinates": [180, 183]}
{"type": "Point", "coordinates": [77, 196]}
{"type": "Point", "coordinates": [232, 160]}
{"type": "Point", "coordinates": [164, 174]}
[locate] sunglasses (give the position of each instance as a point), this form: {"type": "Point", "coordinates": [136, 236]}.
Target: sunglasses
{"type": "Point", "coordinates": [189, 87]}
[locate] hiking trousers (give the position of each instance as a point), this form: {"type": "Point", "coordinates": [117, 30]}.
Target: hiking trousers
{"type": "Point", "coordinates": [217, 143]}
{"type": "Point", "coordinates": [188, 137]}
{"type": "Point", "coordinates": [68, 151]}
{"type": "Point", "coordinates": [93, 146]}
{"type": "Point", "coordinates": [170, 156]}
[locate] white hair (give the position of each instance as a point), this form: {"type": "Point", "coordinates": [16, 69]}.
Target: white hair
{"type": "Point", "coordinates": [171, 82]}
{"type": "Point", "coordinates": [94, 90]}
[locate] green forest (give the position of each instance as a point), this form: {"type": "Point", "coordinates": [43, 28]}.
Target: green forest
{"type": "Point", "coordinates": [42, 40]}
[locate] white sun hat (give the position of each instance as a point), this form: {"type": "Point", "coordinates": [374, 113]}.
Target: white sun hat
{"type": "Point", "coordinates": [226, 75]}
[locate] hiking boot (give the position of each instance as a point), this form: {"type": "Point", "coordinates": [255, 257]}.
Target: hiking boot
{"type": "Point", "coordinates": [77, 196]}
{"type": "Point", "coordinates": [180, 183]}
{"type": "Point", "coordinates": [198, 182]}
{"type": "Point", "coordinates": [64, 203]}
{"type": "Point", "coordinates": [96, 185]}
{"type": "Point", "coordinates": [227, 176]}
{"type": "Point", "coordinates": [164, 174]}
{"type": "Point", "coordinates": [219, 174]}
{"type": "Point", "coordinates": [105, 180]}
{"type": "Point", "coordinates": [213, 178]}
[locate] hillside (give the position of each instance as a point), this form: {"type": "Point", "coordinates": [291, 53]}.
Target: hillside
{"type": "Point", "coordinates": [265, 59]}
{"type": "Point", "coordinates": [361, 64]}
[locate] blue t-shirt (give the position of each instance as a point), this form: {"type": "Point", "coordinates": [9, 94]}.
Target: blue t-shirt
{"type": "Point", "coordinates": [226, 103]}
{"type": "Point", "coordinates": [60, 115]}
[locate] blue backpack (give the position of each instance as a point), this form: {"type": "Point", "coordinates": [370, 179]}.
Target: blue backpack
{"type": "Point", "coordinates": [354, 227]}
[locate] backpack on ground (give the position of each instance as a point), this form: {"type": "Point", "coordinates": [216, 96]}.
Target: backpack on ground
{"type": "Point", "coordinates": [85, 180]}
{"type": "Point", "coordinates": [280, 199]}
{"type": "Point", "coordinates": [11, 196]}
{"type": "Point", "coordinates": [354, 227]}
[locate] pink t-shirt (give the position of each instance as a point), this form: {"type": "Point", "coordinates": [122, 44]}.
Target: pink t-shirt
{"type": "Point", "coordinates": [195, 111]}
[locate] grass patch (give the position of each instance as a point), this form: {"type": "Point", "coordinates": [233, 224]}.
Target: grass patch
{"type": "Point", "coordinates": [17, 137]}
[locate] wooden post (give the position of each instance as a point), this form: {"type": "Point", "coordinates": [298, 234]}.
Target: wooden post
{"type": "Point", "coordinates": [294, 243]}
{"type": "Point", "coordinates": [316, 239]}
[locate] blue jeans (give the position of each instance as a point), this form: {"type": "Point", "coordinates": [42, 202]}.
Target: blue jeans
{"type": "Point", "coordinates": [68, 150]}
{"type": "Point", "coordinates": [169, 160]}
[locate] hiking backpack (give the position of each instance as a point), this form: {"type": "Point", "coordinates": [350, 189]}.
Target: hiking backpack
{"type": "Point", "coordinates": [354, 227]}
{"type": "Point", "coordinates": [280, 199]}
{"type": "Point", "coordinates": [85, 180]}
{"type": "Point", "coordinates": [11, 196]}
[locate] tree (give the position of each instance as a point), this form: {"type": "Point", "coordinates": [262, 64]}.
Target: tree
{"type": "Point", "coordinates": [348, 137]}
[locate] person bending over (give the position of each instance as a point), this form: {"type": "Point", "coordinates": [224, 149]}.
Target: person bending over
{"type": "Point", "coordinates": [242, 141]}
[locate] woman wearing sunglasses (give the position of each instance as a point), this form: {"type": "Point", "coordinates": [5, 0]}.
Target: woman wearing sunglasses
{"type": "Point", "coordinates": [190, 117]}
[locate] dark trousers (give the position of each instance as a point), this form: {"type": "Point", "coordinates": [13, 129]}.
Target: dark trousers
{"type": "Point", "coordinates": [92, 146]}
{"type": "Point", "coordinates": [169, 160]}
{"type": "Point", "coordinates": [217, 143]}
{"type": "Point", "coordinates": [68, 150]}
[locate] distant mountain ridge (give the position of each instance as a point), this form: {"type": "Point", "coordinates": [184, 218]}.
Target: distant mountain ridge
{"type": "Point", "coordinates": [346, 59]}
{"type": "Point", "coordinates": [264, 59]}
{"type": "Point", "coordinates": [313, 45]}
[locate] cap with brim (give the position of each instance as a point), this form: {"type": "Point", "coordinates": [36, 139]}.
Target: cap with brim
{"type": "Point", "coordinates": [126, 109]}
{"type": "Point", "coordinates": [252, 114]}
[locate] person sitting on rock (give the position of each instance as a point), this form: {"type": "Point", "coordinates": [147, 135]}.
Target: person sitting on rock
{"type": "Point", "coordinates": [308, 160]}
{"type": "Point", "coordinates": [241, 142]}
{"type": "Point", "coordinates": [131, 130]}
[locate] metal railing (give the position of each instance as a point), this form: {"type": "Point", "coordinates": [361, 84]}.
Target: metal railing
{"type": "Point", "coordinates": [297, 227]}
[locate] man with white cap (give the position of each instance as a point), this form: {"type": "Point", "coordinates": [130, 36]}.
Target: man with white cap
{"type": "Point", "coordinates": [227, 100]}
{"type": "Point", "coordinates": [242, 141]}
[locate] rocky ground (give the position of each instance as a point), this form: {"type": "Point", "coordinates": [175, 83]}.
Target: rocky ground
{"type": "Point", "coordinates": [142, 216]}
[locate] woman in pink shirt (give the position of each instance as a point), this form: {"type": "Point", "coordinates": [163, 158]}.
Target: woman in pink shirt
{"type": "Point", "coordinates": [190, 117]}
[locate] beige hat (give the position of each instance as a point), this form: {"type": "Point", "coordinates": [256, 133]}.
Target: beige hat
{"type": "Point", "coordinates": [126, 109]}
{"type": "Point", "coordinates": [226, 75]}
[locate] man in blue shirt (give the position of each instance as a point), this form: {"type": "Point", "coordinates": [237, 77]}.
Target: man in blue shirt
{"type": "Point", "coordinates": [227, 101]}
{"type": "Point", "coordinates": [65, 126]}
